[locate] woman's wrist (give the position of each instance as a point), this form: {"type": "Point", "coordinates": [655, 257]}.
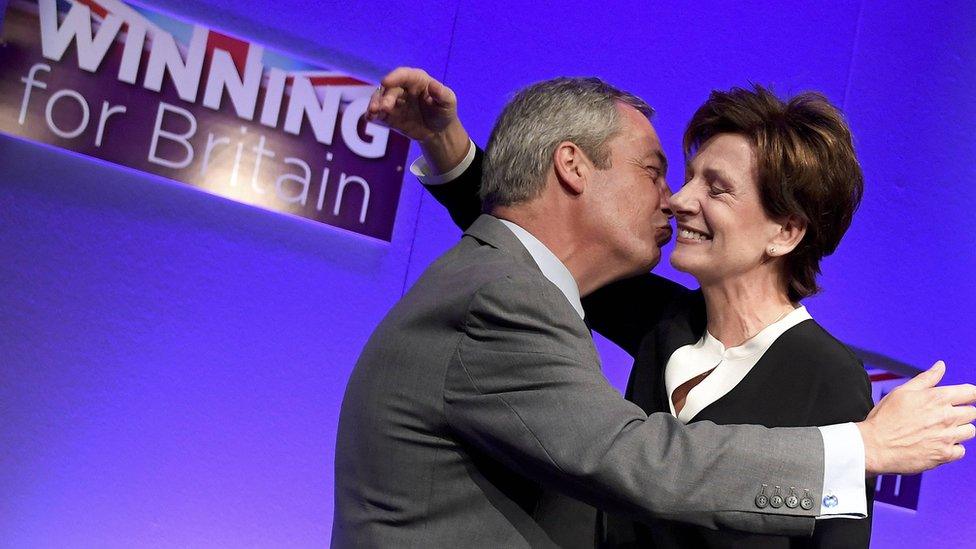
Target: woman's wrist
{"type": "Point", "coordinates": [446, 149]}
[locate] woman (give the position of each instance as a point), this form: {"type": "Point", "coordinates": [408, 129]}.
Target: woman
{"type": "Point", "coordinates": [770, 189]}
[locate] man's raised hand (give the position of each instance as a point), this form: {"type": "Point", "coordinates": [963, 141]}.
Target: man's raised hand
{"type": "Point", "coordinates": [919, 426]}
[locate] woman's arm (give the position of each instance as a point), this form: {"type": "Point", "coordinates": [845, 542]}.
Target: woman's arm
{"type": "Point", "coordinates": [460, 196]}
{"type": "Point", "coordinates": [626, 310]}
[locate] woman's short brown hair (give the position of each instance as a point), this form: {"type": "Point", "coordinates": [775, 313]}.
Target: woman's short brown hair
{"type": "Point", "coordinates": [806, 167]}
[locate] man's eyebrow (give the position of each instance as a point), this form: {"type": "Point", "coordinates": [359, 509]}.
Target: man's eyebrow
{"type": "Point", "coordinates": [659, 155]}
{"type": "Point", "coordinates": [664, 161]}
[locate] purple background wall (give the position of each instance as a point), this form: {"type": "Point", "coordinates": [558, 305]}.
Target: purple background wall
{"type": "Point", "coordinates": [171, 363]}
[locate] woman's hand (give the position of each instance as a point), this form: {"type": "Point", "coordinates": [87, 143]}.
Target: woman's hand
{"type": "Point", "coordinates": [413, 103]}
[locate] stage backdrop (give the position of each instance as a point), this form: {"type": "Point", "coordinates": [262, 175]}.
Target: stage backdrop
{"type": "Point", "coordinates": [172, 362]}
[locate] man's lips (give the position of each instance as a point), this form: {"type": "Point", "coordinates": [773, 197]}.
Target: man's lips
{"type": "Point", "coordinates": [663, 235]}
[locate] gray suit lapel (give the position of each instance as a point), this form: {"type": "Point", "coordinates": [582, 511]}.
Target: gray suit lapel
{"type": "Point", "coordinates": [491, 231]}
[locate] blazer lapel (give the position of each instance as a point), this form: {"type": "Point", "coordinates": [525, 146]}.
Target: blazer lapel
{"type": "Point", "coordinates": [489, 230]}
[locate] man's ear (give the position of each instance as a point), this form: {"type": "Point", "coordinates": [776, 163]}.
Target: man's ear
{"type": "Point", "coordinates": [572, 167]}
{"type": "Point", "coordinates": [791, 233]}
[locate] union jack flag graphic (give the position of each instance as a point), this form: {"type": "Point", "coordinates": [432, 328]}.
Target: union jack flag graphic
{"type": "Point", "coordinates": [886, 374]}
{"type": "Point", "coordinates": [351, 88]}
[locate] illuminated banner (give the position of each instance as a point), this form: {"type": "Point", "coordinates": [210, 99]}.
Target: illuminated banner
{"type": "Point", "coordinates": [144, 90]}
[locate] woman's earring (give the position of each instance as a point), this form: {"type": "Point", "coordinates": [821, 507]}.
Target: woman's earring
{"type": "Point", "coordinates": [772, 250]}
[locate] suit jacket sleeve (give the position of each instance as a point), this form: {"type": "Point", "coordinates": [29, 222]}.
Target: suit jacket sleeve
{"type": "Point", "coordinates": [524, 385]}
{"type": "Point", "coordinates": [622, 311]}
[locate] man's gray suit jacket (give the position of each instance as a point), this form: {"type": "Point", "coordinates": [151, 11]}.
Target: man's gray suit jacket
{"type": "Point", "coordinates": [481, 391]}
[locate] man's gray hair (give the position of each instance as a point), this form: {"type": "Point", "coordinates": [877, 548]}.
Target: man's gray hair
{"type": "Point", "coordinates": [539, 118]}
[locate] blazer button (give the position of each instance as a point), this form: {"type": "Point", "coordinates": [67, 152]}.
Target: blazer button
{"type": "Point", "coordinates": [792, 501]}
{"type": "Point", "coordinates": [807, 502]}
{"type": "Point", "coordinates": [776, 501]}
{"type": "Point", "coordinates": [762, 501]}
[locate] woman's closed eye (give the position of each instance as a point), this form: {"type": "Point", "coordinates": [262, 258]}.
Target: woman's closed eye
{"type": "Point", "coordinates": [714, 190]}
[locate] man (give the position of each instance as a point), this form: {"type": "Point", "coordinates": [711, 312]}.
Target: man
{"type": "Point", "coordinates": [479, 396]}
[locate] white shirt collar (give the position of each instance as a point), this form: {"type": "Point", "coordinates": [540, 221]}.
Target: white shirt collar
{"type": "Point", "coordinates": [759, 343]}
{"type": "Point", "coordinates": [549, 264]}
{"type": "Point", "coordinates": [729, 365]}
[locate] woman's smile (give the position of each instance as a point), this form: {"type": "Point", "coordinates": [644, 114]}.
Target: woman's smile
{"type": "Point", "coordinates": [688, 235]}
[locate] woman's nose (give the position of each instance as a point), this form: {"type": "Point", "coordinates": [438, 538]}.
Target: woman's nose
{"type": "Point", "coordinates": [681, 202]}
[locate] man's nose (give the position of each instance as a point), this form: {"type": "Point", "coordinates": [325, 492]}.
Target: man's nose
{"type": "Point", "coordinates": [666, 207]}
